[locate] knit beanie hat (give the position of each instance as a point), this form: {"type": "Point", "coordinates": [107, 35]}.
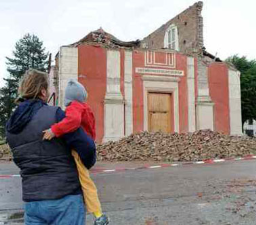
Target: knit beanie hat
{"type": "Point", "coordinates": [75, 92]}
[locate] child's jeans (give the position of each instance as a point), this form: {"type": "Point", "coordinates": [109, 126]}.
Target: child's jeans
{"type": "Point", "coordinates": [89, 189]}
{"type": "Point", "coordinates": [65, 211]}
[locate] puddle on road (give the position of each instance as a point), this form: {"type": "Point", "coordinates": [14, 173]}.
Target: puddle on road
{"type": "Point", "coordinates": [9, 218]}
{"type": "Point", "coordinates": [202, 205]}
{"type": "Point", "coordinates": [3, 219]}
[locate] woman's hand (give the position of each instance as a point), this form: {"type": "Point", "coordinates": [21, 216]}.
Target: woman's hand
{"type": "Point", "coordinates": [48, 134]}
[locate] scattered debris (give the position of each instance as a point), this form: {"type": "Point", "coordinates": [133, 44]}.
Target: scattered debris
{"type": "Point", "coordinates": [105, 39]}
{"type": "Point", "coordinates": [158, 146]}
{"type": "Point", "coordinates": [146, 146]}
{"type": "Point", "coordinates": [5, 153]}
{"type": "Point", "coordinates": [200, 195]}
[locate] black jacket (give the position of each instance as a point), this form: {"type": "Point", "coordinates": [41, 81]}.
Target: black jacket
{"type": "Point", "coordinates": [48, 170]}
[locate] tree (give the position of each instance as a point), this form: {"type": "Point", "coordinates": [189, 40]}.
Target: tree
{"type": "Point", "coordinates": [29, 53]}
{"type": "Point", "coordinates": [7, 97]}
{"type": "Point", "coordinates": [248, 85]}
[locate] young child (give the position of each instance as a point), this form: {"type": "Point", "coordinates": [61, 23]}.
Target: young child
{"type": "Point", "coordinates": [78, 113]}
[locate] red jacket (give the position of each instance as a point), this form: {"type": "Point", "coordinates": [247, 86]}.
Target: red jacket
{"type": "Point", "coordinates": [77, 114]}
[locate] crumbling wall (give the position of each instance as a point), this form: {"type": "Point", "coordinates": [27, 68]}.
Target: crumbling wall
{"type": "Point", "coordinates": [190, 31]}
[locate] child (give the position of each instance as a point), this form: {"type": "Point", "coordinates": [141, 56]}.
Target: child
{"type": "Point", "coordinates": [78, 113]}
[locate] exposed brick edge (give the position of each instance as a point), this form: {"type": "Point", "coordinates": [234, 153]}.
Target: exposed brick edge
{"type": "Point", "coordinates": [208, 161]}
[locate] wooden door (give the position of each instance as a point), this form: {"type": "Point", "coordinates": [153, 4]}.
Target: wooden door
{"type": "Point", "coordinates": [159, 112]}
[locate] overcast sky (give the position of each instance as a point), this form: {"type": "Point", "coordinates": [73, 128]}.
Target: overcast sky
{"type": "Point", "coordinates": [229, 25]}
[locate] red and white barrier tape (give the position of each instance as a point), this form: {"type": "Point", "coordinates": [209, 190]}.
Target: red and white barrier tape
{"type": "Point", "coordinates": [209, 161]}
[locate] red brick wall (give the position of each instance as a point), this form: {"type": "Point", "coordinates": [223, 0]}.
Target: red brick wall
{"type": "Point", "coordinates": [92, 69]}
{"type": "Point", "coordinates": [219, 92]}
{"type": "Point", "coordinates": [138, 116]}
{"type": "Point", "coordinates": [190, 30]}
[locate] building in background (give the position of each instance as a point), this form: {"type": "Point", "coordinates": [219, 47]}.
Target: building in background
{"type": "Point", "coordinates": [52, 87]}
{"type": "Point", "coordinates": [250, 128]}
{"type": "Point", "coordinates": [167, 81]}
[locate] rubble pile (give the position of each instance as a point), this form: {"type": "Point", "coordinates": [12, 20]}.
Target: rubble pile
{"type": "Point", "coordinates": [158, 146]}
{"type": "Point", "coordinates": [5, 152]}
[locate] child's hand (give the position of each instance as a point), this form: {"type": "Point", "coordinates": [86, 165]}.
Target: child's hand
{"type": "Point", "coordinates": [48, 134]}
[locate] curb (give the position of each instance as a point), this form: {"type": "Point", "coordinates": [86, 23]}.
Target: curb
{"type": "Point", "coordinates": [208, 161]}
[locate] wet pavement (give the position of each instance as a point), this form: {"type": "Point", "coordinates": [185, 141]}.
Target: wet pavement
{"type": "Point", "coordinates": [223, 193]}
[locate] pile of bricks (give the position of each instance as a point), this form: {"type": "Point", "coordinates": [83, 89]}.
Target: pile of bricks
{"type": "Point", "coordinates": [5, 153]}
{"type": "Point", "coordinates": [159, 146]}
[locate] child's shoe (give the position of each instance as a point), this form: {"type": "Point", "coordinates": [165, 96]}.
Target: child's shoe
{"type": "Point", "coordinates": [103, 220]}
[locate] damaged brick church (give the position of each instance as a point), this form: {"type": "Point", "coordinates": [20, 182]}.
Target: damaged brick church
{"type": "Point", "coordinates": [167, 81]}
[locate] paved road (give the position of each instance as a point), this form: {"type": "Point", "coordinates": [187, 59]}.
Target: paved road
{"type": "Point", "coordinates": [222, 194]}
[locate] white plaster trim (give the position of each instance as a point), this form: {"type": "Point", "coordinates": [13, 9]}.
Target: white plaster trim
{"type": "Point", "coordinates": [203, 92]}
{"type": "Point", "coordinates": [150, 59]}
{"type": "Point", "coordinates": [160, 78]}
{"type": "Point", "coordinates": [204, 105]}
{"type": "Point", "coordinates": [113, 97]}
{"type": "Point", "coordinates": [157, 71]}
{"type": "Point", "coordinates": [204, 113]}
{"type": "Point", "coordinates": [128, 90]}
{"type": "Point", "coordinates": [191, 94]}
{"type": "Point", "coordinates": [161, 87]}
{"type": "Point", "coordinates": [68, 69]}
{"type": "Point", "coordinates": [202, 79]}
{"type": "Point", "coordinates": [113, 104]}
{"type": "Point", "coordinates": [113, 71]}
{"type": "Point", "coordinates": [235, 112]}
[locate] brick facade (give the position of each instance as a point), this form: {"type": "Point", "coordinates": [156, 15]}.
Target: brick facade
{"type": "Point", "coordinates": [119, 77]}
{"type": "Point", "coordinates": [190, 31]}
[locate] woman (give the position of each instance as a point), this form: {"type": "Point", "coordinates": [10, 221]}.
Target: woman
{"type": "Point", "coordinates": [50, 183]}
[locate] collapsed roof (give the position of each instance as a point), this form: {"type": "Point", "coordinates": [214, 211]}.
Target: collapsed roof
{"type": "Point", "coordinates": [102, 37]}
